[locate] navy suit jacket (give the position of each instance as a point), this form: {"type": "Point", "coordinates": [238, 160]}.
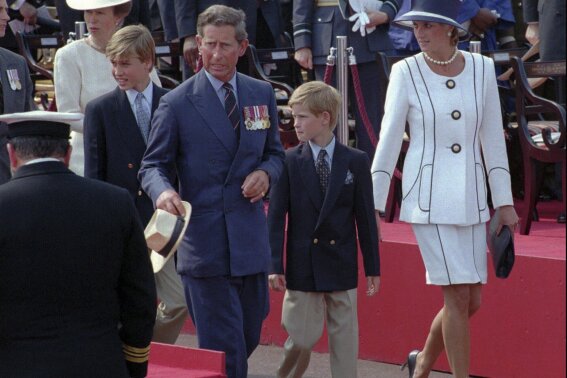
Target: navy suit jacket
{"type": "Point", "coordinates": [318, 27]}
{"type": "Point", "coordinates": [321, 249]}
{"type": "Point", "coordinates": [192, 137]}
{"type": "Point", "coordinates": [186, 13]}
{"type": "Point", "coordinates": [114, 145]}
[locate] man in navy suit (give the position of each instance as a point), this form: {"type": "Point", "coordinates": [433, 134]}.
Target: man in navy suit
{"type": "Point", "coordinates": [217, 133]}
{"type": "Point", "coordinates": [325, 193]}
{"type": "Point", "coordinates": [116, 129]}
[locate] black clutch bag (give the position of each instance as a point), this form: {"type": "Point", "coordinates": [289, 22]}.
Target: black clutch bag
{"type": "Point", "coordinates": [501, 248]}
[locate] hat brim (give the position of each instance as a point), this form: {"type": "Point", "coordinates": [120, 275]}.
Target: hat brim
{"type": "Point", "coordinates": [406, 21]}
{"type": "Point", "coordinates": [158, 260]}
{"type": "Point", "coordinates": [94, 4]}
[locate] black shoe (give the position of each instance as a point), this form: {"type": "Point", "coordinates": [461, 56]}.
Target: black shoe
{"type": "Point", "coordinates": [411, 362]}
{"type": "Point", "coordinates": [561, 218]}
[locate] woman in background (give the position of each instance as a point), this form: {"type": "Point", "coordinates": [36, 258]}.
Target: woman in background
{"type": "Point", "coordinates": [81, 71]}
{"type": "Point", "coordinates": [450, 100]}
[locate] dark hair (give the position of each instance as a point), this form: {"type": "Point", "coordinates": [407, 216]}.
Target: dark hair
{"type": "Point", "coordinates": [122, 10]}
{"type": "Point", "coordinates": [220, 15]}
{"type": "Point", "coordinates": [33, 147]}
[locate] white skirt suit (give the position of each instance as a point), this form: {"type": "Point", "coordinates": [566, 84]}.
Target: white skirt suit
{"type": "Point", "coordinates": [456, 142]}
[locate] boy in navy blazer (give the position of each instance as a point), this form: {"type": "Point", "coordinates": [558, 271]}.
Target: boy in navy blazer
{"type": "Point", "coordinates": [116, 128]}
{"type": "Point", "coordinates": [325, 191]}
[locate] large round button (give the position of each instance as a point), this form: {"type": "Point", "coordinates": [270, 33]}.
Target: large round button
{"type": "Point", "coordinates": [130, 165]}
{"type": "Point", "coordinates": [332, 242]}
{"type": "Point", "coordinates": [450, 84]}
{"type": "Point", "coordinates": [139, 193]}
{"type": "Point", "coordinates": [456, 148]}
{"type": "Point", "coordinates": [315, 241]}
{"type": "Point", "coordinates": [456, 114]}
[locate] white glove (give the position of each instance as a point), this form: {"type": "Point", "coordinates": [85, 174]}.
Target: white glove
{"type": "Point", "coordinates": [360, 21]}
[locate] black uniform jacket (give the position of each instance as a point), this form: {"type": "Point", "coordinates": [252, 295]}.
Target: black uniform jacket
{"type": "Point", "coordinates": [77, 293]}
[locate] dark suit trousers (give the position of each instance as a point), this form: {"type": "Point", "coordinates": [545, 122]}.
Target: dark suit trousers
{"type": "Point", "coordinates": [228, 313]}
{"type": "Point", "coordinates": [371, 93]}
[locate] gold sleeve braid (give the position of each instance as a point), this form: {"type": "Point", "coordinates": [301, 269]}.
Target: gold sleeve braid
{"type": "Point", "coordinates": [136, 355]}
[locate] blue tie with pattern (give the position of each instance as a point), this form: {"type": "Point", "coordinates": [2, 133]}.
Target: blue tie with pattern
{"type": "Point", "coordinates": [322, 169]}
{"type": "Point", "coordinates": [142, 116]}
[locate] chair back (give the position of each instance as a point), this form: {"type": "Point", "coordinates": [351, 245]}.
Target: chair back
{"type": "Point", "coordinates": [30, 44]}
{"type": "Point", "coordinates": [168, 60]}
{"type": "Point", "coordinates": [529, 104]}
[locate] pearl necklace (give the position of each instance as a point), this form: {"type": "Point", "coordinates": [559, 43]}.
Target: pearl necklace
{"type": "Point", "coordinates": [442, 62]}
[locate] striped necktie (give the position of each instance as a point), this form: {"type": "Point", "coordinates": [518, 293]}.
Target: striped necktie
{"type": "Point", "coordinates": [230, 106]}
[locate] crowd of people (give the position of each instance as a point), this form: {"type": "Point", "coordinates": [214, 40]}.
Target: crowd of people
{"type": "Point", "coordinates": [209, 152]}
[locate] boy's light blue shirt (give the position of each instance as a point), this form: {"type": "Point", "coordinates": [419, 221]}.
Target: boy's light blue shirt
{"type": "Point", "coordinates": [330, 148]}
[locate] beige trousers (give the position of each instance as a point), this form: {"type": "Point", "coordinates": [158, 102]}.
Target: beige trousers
{"type": "Point", "coordinates": [172, 309]}
{"type": "Point", "coordinates": [303, 316]}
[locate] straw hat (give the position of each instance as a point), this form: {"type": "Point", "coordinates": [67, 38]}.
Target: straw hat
{"type": "Point", "coordinates": [440, 11]}
{"type": "Point", "coordinates": [163, 234]}
{"type": "Point", "coordinates": [94, 4]}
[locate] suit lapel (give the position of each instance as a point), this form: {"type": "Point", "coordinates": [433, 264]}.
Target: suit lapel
{"type": "Point", "coordinates": [212, 111]}
{"type": "Point", "coordinates": [156, 96]}
{"type": "Point", "coordinates": [309, 176]}
{"type": "Point", "coordinates": [339, 170]}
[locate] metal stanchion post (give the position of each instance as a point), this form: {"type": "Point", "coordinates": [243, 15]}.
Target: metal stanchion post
{"type": "Point", "coordinates": [474, 47]}
{"type": "Point", "coordinates": [342, 87]}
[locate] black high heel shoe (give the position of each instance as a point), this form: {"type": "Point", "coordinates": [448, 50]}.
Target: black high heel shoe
{"type": "Point", "coordinates": [411, 362]}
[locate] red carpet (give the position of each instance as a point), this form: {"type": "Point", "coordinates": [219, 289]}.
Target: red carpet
{"type": "Point", "coordinates": [520, 330]}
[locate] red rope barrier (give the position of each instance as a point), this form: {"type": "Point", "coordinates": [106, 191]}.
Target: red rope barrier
{"type": "Point", "coordinates": [328, 74]}
{"type": "Point", "coordinates": [361, 107]}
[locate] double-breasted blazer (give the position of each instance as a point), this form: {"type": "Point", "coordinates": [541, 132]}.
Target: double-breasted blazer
{"type": "Point", "coordinates": [77, 293]}
{"type": "Point", "coordinates": [322, 229]}
{"type": "Point", "coordinates": [14, 100]}
{"type": "Point", "coordinates": [456, 141]}
{"type": "Point", "coordinates": [114, 145]}
{"type": "Point", "coordinates": [192, 138]}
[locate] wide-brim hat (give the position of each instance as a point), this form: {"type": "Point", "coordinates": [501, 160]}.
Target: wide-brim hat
{"type": "Point", "coordinates": [164, 233]}
{"type": "Point", "coordinates": [40, 123]}
{"type": "Point", "coordinates": [442, 12]}
{"type": "Point", "coordinates": [94, 4]}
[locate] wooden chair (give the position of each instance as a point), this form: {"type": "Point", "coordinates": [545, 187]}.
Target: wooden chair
{"type": "Point", "coordinates": [168, 58]}
{"type": "Point", "coordinates": [542, 139]}
{"type": "Point", "coordinates": [30, 46]}
{"type": "Point", "coordinates": [395, 192]}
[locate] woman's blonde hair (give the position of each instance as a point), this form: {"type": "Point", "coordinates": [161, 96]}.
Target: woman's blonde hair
{"type": "Point", "coordinates": [132, 41]}
{"type": "Point", "coordinates": [318, 97]}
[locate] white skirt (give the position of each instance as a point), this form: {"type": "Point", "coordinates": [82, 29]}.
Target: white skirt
{"type": "Point", "coordinates": [452, 254]}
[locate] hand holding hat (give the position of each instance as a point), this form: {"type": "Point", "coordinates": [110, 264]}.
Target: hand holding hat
{"type": "Point", "coordinates": [164, 233]}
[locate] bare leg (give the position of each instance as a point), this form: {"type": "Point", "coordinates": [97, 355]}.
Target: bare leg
{"type": "Point", "coordinates": [435, 343]}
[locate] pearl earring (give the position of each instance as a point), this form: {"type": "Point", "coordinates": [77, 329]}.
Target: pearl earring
{"type": "Point", "coordinates": [449, 34]}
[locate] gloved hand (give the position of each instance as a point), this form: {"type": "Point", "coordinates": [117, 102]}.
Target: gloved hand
{"type": "Point", "coordinates": [360, 20]}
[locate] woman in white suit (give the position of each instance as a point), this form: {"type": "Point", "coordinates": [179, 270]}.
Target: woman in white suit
{"type": "Point", "coordinates": [450, 100]}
